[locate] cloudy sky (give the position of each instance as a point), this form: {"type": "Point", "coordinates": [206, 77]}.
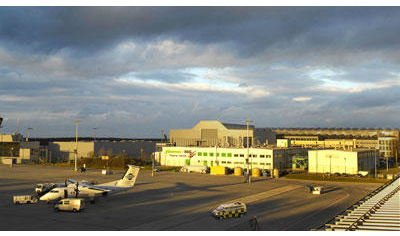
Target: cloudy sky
{"type": "Point", "coordinates": [132, 71]}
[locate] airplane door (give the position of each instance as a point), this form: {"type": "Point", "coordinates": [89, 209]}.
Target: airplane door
{"type": "Point", "coordinates": [65, 193]}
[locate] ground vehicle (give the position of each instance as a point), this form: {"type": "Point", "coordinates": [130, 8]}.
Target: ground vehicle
{"type": "Point", "coordinates": [24, 199]}
{"type": "Point", "coordinates": [70, 204]}
{"type": "Point", "coordinates": [318, 190]}
{"type": "Point", "coordinates": [44, 188]}
{"type": "Point", "coordinates": [229, 210]}
{"type": "Point", "coordinates": [195, 169]}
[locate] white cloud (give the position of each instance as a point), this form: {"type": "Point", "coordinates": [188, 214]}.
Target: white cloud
{"type": "Point", "coordinates": [301, 99]}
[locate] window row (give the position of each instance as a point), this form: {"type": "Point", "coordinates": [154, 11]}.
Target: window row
{"type": "Point", "coordinates": [211, 154]}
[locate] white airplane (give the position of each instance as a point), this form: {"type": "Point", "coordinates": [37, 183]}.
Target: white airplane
{"type": "Point", "coordinates": [85, 190]}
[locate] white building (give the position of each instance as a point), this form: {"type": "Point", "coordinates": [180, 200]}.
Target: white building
{"type": "Point", "coordinates": [264, 157]}
{"type": "Point", "coordinates": [342, 161]}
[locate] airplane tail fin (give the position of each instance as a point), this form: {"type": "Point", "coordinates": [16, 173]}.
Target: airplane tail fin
{"type": "Point", "coordinates": [130, 176]}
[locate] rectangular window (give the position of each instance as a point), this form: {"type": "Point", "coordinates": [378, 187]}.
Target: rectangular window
{"type": "Point", "coordinates": [199, 154]}
{"type": "Point", "coordinates": [223, 162]}
{"type": "Point", "coordinates": [262, 156]}
{"type": "Point", "coordinates": [204, 154]}
{"type": "Point", "coordinates": [223, 154]}
{"type": "Point", "coordinates": [255, 163]}
{"type": "Point", "coordinates": [236, 155]}
{"type": "Point", "coordinates": [229, 154]}
{"type": "Point", "coordinates": [241, 155]}
{"type": "Point", "coordinates": [211, 154]}
{"type": "Point", "coordinates": [268, 156]}
{"type": "Point", "coordinates": [217, 154]}
{"type": "Point", "coordinates": [229, 162]}
{"type": "Point", "coordinates": [261, 163]}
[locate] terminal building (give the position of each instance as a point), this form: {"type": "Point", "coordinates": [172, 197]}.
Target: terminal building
{"type": "Point", "coordinates": [265, 158]}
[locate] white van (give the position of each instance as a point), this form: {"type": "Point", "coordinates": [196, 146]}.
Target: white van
{"type": "Point", "coordinates": [24, 199]}
{"type": "Point", "coordinates": [70, 204]}
{"type": "Point", "coordinates": [194, 169]}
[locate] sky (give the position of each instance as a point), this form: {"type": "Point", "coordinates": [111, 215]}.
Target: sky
{"type": "Point", "coordinates": [134, 71]}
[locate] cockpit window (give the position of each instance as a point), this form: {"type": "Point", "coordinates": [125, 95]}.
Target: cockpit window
{"type": "Point", "coordinates": [54, 191]}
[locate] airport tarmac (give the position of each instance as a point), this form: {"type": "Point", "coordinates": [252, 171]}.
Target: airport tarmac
{"type": "Point", "coordinates": [175, 201]}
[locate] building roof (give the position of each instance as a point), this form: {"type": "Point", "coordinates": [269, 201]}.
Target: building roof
{"type": "Point", "coordinates": [237, 126]}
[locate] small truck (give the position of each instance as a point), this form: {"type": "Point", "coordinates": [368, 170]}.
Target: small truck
{"type": "Point", "coordinates": [24, 199]}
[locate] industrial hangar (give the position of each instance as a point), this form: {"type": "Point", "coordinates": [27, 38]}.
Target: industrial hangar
{"type": "Point", "coordinates": [213, 143]}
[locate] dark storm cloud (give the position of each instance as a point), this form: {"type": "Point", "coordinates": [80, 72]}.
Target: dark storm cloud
{"type": "Point", "coordinates": [136, 70]}
{"type": "Point", "coordinates": [50, 29]}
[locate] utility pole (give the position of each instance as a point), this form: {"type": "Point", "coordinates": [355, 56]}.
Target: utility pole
{"type": "Point", "coordinates": [76, 144]}
{"type": "Point", "coordinates": [152, 164]}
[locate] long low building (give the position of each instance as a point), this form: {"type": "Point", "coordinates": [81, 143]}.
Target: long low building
{"type": "Point", "coordinates": [65, 151]}
{"type": "Point", "coordinates": [266, 158]}
{"type": "Point", "coordinates": [349, 161]}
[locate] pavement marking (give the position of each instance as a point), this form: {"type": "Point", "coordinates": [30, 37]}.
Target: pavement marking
{"type": "Point", "coordinates": [267, 194]}
{"type": "Point", "coordinates": [170, 222]}
{"type": "Point", "coordinates": [329, 205]}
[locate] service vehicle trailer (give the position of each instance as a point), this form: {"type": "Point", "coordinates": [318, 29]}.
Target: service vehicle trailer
{"type": "Point", "coordinates": [24, 199]}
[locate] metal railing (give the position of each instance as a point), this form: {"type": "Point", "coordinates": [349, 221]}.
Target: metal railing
{"type": "Point", "coordinates": [379, 210]}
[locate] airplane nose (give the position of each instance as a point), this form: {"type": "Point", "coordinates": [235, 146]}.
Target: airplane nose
{"type": "Point", "coordinates": [43, 198]}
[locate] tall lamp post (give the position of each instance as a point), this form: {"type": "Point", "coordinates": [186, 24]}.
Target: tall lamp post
{"type": "Point", "coordinates": [94, 133]}
{"type": "Point", "coordinates": [29, 133]}
{"type": "Point", "coordinates": [248, 173]}
{"type": "Point", "coordinates": [76, 144]}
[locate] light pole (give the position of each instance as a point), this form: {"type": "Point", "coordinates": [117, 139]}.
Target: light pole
{"type": "Point", "coordinates": [248, 173]}
{"type": "Point", "coordinates": [375, 161]}
{"type": "Point", "coordinates": [94, 131]}
{"type": "Point", "coordinates": [76, 144]}
{"type": "Point", "coordinates": [29, 133]}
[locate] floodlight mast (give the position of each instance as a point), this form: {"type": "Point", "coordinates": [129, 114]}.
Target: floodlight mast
{"type": "Point", "coordinates": [76, 144]}
{"type": "Point", "coordinates": [94, 130]}
{"type": "Point", "coordinates": [29, 133]}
